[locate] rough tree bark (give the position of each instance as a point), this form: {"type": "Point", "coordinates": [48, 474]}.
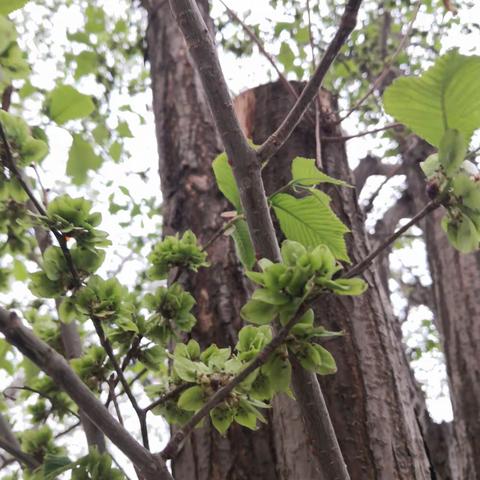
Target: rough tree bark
{"type": "Point", "coordinates": [371, 398]}
{"type": "Point", "coordinates": [456, 284]}
{"type": "Point", "coordinates": [187, 144]}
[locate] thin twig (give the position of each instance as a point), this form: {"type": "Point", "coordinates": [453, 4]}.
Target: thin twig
{"type": "Point", "coordinates": [168, 396]}
{"type": "Point", "coordinates": [68, 430]}
{"type": "Point", "coordinates": [126, 360]}
{"type": "Point", "coordinates": [221, 231]}
{"type": "Point", "coordinates": [375, 194]}
{"type": "Point", "coordinates": [365, 263]}
{"type": "Point", "coordinates": [109, 350]}
{"type": "Point", "coordinates": [361, 134]}
{"type": "Point", "coordinates": [111, 389]}
{"type": "Point", "coordinates": [253, 36]}
{"type": "Point", "coordinates": [281, 135]}
{"type": "Point", "coordinates": [378, 81]}
{"type": "Point", "coordinates": [41, 394]}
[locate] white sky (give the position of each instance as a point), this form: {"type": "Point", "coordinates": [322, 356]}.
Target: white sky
{"type": "Point", "coordinates": [142, 148]}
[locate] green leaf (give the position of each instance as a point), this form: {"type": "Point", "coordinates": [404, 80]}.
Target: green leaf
{"type": "Point", "coordinates": [81, 159]}
{"type": "Point", "coordinates": [462, 233]}
{"type": "Point", "coordinates": [226, 181]}
{"type": "Point", "coordinates": [271, 297]}
{"type": "Point", "coordinates": [452, 150]}
{"type": "Point", "coordinates": [115, 151]}
{"type": "Point", "coordinates": [8, 6]}
{"type": "Point", "coordinates": [192, 399]}
{"type": "Point", "coordinates": [446, 96]}
{"type": "Point", "coordinates": [311, 222]}
{"type": "Point", "coordinates": [279, 370]}
{"type": "Point", "coordinates": [55, 465]}
{"type": "Point", "coordinates": [430, 165]}
{"type": "Point", "coordinates": [305, 172]}
{"type": "Point", "coordinates": [8, 34]}
{"type": "Point", "coordinates": [124, 130]}
{"type": "Point", "coordinates": [286, 56]}
{"type": "Point", "coordinates": [348, 286]}
{"type": "Point", "coordinates": [66, 103]}
{"type": "Point", "coordinates": [222, 418]}
{"type": "Point", "coordinates": [327, 364]}
{"type": "Point", "coordinates": [246, 415]}
{"type": "Point", "coordinates": [20, 272]}
{"type": "Point", "coordinates": [243, 244]}
{"type": "Point", "coordinates": [67, 311]}
{"type": "Point", "coordinates": [87, 62]}
{"type": "Point", "coordinates": [258, 312]}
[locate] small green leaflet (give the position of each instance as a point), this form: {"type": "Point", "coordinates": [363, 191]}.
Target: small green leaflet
{"type": "Point", "coordinates": [8, 6]}
{"type": "Point", "coordinates": [81, 159]}
{"type": "Point", "coordinates": [226, 181]}
{"type": "Point", "coordinates": [446, 96]}
{"type": "Point", "coordinates": [305, 172]}
{"type": "Point", "coordinates": [243, 244]}
{"type": "Point", "coordinates": [311, 222]}
{"type": "Point", "coordinates": [66, 103]}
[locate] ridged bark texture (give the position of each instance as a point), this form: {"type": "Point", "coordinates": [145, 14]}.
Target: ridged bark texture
{"type": "Point", "coordinates": [371, 398]}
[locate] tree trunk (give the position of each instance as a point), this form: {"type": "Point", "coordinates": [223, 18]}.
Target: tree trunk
{"type": "Point", "coordinates": [187, 144]}
{"type": "Point", "coordinates": [456, 285]}
{"type": "Point", "coordinates": [371, 398]}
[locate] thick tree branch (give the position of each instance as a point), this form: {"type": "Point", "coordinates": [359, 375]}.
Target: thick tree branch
{"type": "Point", "coordinates": [246, 169]}
{"type": "Point", "coordinates": [278, 138]}
{"type": "Point", "coordinates": [18, 454]}
{"type": "Point", "coordinates": [9, 443]}
{"type": "Point", "coordinates": [242, 156]}
{"type": "Point", "coordinates": [56, 367]}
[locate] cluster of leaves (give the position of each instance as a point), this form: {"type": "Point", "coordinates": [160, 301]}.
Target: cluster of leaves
{"type": "Point", "coordinates": [171, 308]}
{"type": "Point", "coordinates": [73, 219]}
{"type": "Point", "coordinates": [12, 62]}
{"type": "Point", "coordinates": [303, 274]}
{"type": "Point", "coordinates": [38, 442]}
{"type": "Point", "coordinates": [308, 220]}
{"type": "Point", "coordinates": [443, 107]}
{"type": "Point", "coordinates": [174, 251]}
{"type": "Point", "coordinates": [94, 466]}
{"type": "Point", "coordinates": [285, 287]}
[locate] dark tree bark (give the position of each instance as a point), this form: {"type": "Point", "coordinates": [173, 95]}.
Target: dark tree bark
{"type": "Point", "coordinates": [456, 285]}
{"type": "Point", "coordinates": [187, 144]}
{"type": "Point", "coordinates": [372, 397]}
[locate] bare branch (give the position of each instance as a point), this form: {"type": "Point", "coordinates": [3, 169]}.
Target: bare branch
{"type": "Point", "coordinates": [278, 138]}
{"type": "Point", "coordinates": [365, 263]}
{"type": "Point", "coordinates": [56, 367]}
{"type": "Point", "coordinates": [111, 355]}
{"type": "Point", "coordinates": [362, 134]}
{"type": "Point", "coordinates": [386, 69]}
{"type": "Point", "coordinates": [242, 156]}
{"type": "Point", "coordinates": [168, 396]}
